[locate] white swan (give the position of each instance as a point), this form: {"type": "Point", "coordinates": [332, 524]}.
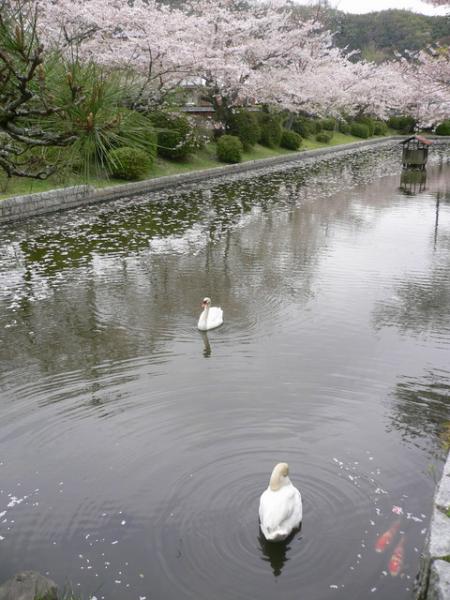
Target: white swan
{"type": "Point", "coordinates": [280, 506]}
{"type": "Point", "coordinates": [211, 317]}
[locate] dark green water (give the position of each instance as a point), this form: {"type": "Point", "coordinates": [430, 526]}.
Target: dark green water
{"type": "Point", "coordinates": [133, 449]}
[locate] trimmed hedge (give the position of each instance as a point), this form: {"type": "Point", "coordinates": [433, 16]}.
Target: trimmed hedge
{"type": "Point", "coordinates": [328, 124]}
{"type": "Point", "coordinates": [129, 163]}
{"type": "Point", "coordinates": [324, 137]}
{"type": "Point", "coordinates": [271, 130]}
{"type": "Point", "coordinates": [176, 138]}
{"type": "Point", "coordinates": [368, 122]}
{"type": "Point", "coordinates": [304, 127]}
{"type": "Point", "coordinates": [244, 124]}
{"type": "Point", "coordinates": [360, 130]}
{"type": "Point", "coordinates": [404, 124]}
{"type": "Point", "coordinates": [380, 128]}
{"type": "Point", "coordinates": [443, 128]}
{"type": "Point", "coordinates": [344, 127]}
{"type": "Point", "coordinates": [229, 149]}
{"type": "Point", "coordinates": [290, 140]}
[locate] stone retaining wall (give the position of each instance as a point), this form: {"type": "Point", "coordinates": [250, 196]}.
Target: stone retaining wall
{"type": "Point", "coordinates": [434, 576]}
{"type": "Point", "coordinates": [22, 207]}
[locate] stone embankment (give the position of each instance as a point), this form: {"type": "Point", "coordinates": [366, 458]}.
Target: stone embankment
{"type": "Point", "coordinates": [434, 576]}
{"type": "Point", "coordinates": [22, 207]}
{"type": "Point", "coordinates": [29, 585]}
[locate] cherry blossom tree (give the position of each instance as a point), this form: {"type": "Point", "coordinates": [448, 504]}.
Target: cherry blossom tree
{"type": "Point", "coordinates": [146, 37]}
{"type": "Point", "coordinates": [264, 54]}
{"type": "Point", "coordinates": [258, 53]}
{"type": "Point", "coordinates": [238, 53]}
{"type": "Point", "coordinates": [428, 76]}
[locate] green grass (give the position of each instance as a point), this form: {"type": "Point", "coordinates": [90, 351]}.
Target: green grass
{"type": "Point", "coordinates": [203, 159]}
{"type": "Point", "coordinates": [337, 139]}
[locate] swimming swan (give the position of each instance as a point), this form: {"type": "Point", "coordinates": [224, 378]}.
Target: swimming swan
{"type": "Point", "coordinates": [211, 317]}
{"type": "Point", "coordinates": [280, 506]}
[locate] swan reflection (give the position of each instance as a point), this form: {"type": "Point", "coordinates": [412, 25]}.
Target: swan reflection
{"type": "Point", "coordinates": [275, 553]}
{"type": "Point", "coordinates": [206, 344]}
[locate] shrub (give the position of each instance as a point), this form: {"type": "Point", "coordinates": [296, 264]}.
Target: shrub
{"type": "Point", "coordinates": [229, 149]}
{"type": "Point", "coordinates": [99, 120]}
{"type": "Point", "coordinates": [271, 130]}
{"type": "Point", "coordinates": [129, 163]}
{"type": "Point", "coordinates": [368, 122]}
{"type": "Point", "coordinates": [324, 137]}
{"type": "Point", "coordinates": [244, 124]}
{"type": "Point", "coordinates": [443, 128]}
{"type": "Point", "coordinates": [328, 124]}
{"type": "Point", "coordinates": [344, 127]}
{"type": "Point", "coordinates": [380, 128]}
{"type": "Point", "coordinates": [404, 124]}
{"type": "Point", "coordinates": [304, 127]}
{"type": "Point", "coordinates": [176, 137]}
{"type": "Point", "coordinates": [317, 126]}
{"type": "Point", "coordinates": [360, 130]}
{"type": "Point", "coordinates": [290, 140]}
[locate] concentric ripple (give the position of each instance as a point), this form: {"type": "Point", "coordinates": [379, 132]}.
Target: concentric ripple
{"type": "Point", "coordinates": [134, 449]}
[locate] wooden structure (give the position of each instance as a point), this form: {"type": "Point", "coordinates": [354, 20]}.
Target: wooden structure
{"type": "Point", "coordinates": [415, 152]}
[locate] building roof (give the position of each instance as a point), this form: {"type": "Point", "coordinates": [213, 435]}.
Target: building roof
{"type": "Point", "coordinates": [417, 138]}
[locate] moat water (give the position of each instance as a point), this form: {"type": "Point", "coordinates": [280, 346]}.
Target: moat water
{"type": "Point", "coordinates": [133, 448]}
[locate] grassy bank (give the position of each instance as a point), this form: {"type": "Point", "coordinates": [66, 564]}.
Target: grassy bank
{"type": "Point", "coordinates": [204, 159]}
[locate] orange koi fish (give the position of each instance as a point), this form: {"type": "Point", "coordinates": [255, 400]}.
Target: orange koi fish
{"type": "Point", "coordinates": [396, 562]}
{"type": "Point", "coordinates": [386, 538]}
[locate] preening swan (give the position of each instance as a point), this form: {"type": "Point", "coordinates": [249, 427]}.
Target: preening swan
{"type": "Point", "coordinates": [280, 506]}
{"type": "Point", "coordinates": [211, 317]}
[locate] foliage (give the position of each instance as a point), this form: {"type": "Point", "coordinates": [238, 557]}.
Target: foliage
{"type": "Point", "coordinates": [129, 163]}
{"type": "Point", "coordinates": [360, 130]}
{"type": "Point", "coordinates": [229, 149]}
{"type": "Point", "coordinates": [304, 127]}
{"type": "Point", "coordinates": [176, 137]}
{"type": "Point", "coordinates": [101, 120]}
{"type": "Point", "coordinates": [290, 140]}
{"type": "Point", "coordinates": [380, 128]}
{"type": "Point", "coordinates": [51, 99]}
{"type": "Point", "coordinates": [368, 122]}
{"type": "Point", "coordinates": [403, 124]}
{"type": "Point", "coordinates": [241, 53]}
{"type": "Point", "coordinates": [443, 128]}
{"type": "Point", "coordinates": [324, 137]}
{"type": "Point", "coordinates": [328, 124]}
{"type": "Point", "coordinates": [25, 95]}
{"type": "Point", "coordinates": [344, 127]}
{"type": "Point", "coordinates": [271, 130]}
{"type": "Point", "coordinates": [383, 34]}
{"type": "Point", "coordinates": [244, 124]}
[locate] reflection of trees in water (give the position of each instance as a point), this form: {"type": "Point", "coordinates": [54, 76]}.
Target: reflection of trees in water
{"type": "Point", "coordinates": [420, 302]}
{"type": "Point", "coordinates": [421, 410]}
{"type": "Point", "coordinates": [126, 226]}
{"type": "Point", "coordinates": [417, 306]}
{"type": "Point", "coordinates": [103, 295]}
